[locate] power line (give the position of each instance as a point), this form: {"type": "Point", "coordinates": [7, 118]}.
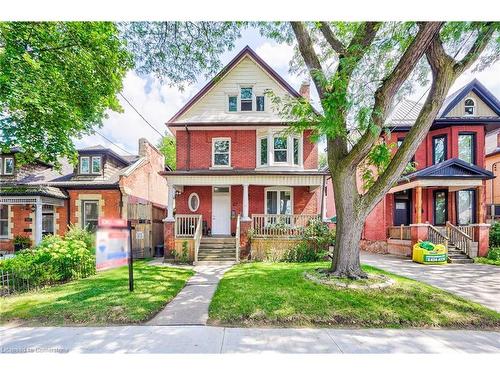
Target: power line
{"type": "Point", "coordinates": [113, 143]}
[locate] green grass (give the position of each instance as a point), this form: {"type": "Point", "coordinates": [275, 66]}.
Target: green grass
{"type": "Point", "coordinates": [487, 261]}
{"type": "Point", "coordinates": [98, 300]}
{"type": "Point", "coordinates": [276, 294]}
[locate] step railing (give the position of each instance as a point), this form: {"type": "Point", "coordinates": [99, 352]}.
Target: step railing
{"type": "Point", "coordinates": [237, 238]}
{"type": "Point", "coordinates": [185, 225]}
{"type": "Point", "coordinates": [401, 232]}
{"type": "Point", "coordinates": [467, 229]}
{"type": "Point", "coordinates": [459, 238]}
{"type": "Point", "coordinates": [197, 239]}
{"type": "Point", "coordinates": [435, 236]}
{"type": "Point", "coordinates": [266, 225]}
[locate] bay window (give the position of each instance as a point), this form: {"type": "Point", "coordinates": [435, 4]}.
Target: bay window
{"type": "Point", "coordinates": [280, 149]}
{"type": "Point", "coordinates": [263, 151]}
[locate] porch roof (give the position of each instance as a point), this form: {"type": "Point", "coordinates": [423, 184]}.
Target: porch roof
{"type": "Point", "coordinates": [32, 190]}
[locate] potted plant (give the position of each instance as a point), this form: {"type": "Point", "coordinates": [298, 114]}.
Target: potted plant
{"type": "Point", "coordinates": [21, 242]}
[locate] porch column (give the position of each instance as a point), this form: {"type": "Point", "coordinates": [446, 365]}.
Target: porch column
{"type": "Point", "coordinates": [38, 223]}
{"type": "Point", "coordinates": [323, 205]}
{"type": "Point", "coordinates": [480, 205]}
{"type": "Point", "coordinates": [244, 216]}
{"type": "Point", "coordinates": [170, 204]}
{"type": "Point", "coordinates": [418, 204]}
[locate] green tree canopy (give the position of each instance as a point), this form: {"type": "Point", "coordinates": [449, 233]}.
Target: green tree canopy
{"type": "Point", "coordinates": [57, 80]}
{"type": "Point", "coordinates": [168, 148]}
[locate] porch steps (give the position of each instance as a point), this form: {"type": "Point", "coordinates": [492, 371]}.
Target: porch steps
{"type": "Point", "coordinates": [217, 250]}
{"type": "Point", "coordinates": [456, 256]}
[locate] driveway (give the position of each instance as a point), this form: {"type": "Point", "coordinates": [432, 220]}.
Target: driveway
{"type": "Point", "coordinates": [476, 282]}
{"type": "Point", "coordinates": [203, 339]}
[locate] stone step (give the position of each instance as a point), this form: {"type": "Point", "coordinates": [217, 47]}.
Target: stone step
{"type": "Point", "coordinates": [460, 260]}
{"type": "Point", "coordinates": [217, 239]}
{"type": "Point", "coordinates": [218, 253]}
{"type": "Point", "coordinates": [216, 259]}
{"type": "Point", "coordinates": [214, 263]}
{"type": "Point", "coordinates": [209, 245]}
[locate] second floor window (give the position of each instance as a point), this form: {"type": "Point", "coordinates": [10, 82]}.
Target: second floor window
{"type": "Point", "coordinates": [221, 152]}
{"type": "Point", "coordinates": [263, 151]}
{"type": "Point", "coordinates": [233, 103]}
{"type": "Point", "coordinates": [246, 98]}
{"type": "Point", "coordinates": [439, 149]}
{"type": "Point", "coordinates": [280, 149]}
{"type": "Point", "coordinates": [259, 100]}
{"type": "Point", "coordinates": [7, 166]}
{"type": "Point", "coordinates": [466, 147]}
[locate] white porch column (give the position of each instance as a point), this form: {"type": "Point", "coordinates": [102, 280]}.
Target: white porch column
{"type": "Point", "coordinates": [245, 217]}
{"type": "Point", "coordinates": [170, 204]}
{"type": "Point", "coordinates": [38, 223]}
{"type": "Point", "coordinates": [323, 206]}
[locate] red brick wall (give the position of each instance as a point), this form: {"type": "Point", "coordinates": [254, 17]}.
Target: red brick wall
{"type": "Point", "coordinates": [310, 151]}
{"type": "Point", "coordinates": [112, 203]}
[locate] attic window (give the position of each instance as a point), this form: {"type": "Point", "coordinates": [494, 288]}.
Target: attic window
{"type": "Point", "coordinates": [470, 107]}
{"type": "Point", "coordinates": [90, 165]}
{"type": "Point", "coordinates": [233, 104]}
{"type": "Point", "coordinates": [246, 98]}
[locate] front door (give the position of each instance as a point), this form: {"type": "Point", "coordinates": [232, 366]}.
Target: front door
{"type": "Point", "coordinates": [402, 210]}
{"type": "Point", "coordinates": [440, 207]}
{"type": "Point", "coordinates": [221, 210]}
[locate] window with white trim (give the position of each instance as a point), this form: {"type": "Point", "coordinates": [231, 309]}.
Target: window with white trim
{"type": "Point", "coordinates": [96, 164]}
{"type": "Point", "coordinates": [90, 215]}
{"type": "Point", "coordinates": [90, 164]}
{"type": "Point", "coordinates": [7, 165]}
{"type": "Point", "coordinates": [232, 103]}
{"type": "Point", "coordinates": [85, 165]}
{"type": "Point", "coordinates": [280, 149]}
{"type": "Point", "coordinates": [246, 98]}
{"type": "Point", "coordinates": [279, 201]}
{"type": "Point", "coordinates": [263, 151]}
{"type": "Point", "coordinates": [470, 107]}
{"type": "Point", "coordinates": [221, 152]}
{"type": "Point", "coordinates": [4, 221]}
{"type": "Point", "coordinates": [194, 202]}
{"type": "Point", "coordinates": [296, 145]}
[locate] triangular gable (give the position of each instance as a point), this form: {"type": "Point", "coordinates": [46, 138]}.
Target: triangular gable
{"type": "Point", "coordinates": [245, 52]}
{"type": "Point", "coordinates": [451, 168]}
{"type": "Point", "coordinates": [478, 89]}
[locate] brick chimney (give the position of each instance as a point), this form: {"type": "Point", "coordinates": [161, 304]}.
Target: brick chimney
{"type": "Point", "coordinates": [305, 90]}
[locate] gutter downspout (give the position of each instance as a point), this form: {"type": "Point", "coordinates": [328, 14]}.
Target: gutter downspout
{"type": "Point", "coordinates": [323, 198]}
{"type": "Point", "coordinates": [492, 206]}
{"type": "Point", "coordinates": [188, 158]}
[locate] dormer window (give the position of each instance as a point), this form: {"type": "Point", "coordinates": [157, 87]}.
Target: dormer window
{"type": "Point", "coordinates": [470, 107]}
{"type": "Point", "coordinates": [246, 98]}
{"type": "Point", "coordinates": [7, 165]}
{"type": "Point", "coordinates": [90, 165]}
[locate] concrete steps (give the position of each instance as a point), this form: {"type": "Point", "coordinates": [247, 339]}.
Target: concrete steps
{"type": "Point", "coordinates": [456, 256]}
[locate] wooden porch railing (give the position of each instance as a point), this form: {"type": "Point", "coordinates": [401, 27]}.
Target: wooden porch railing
{"type": "Point", "coordinates": [459, 238]}
{"type": "Point", "coordinates": [186, 225]}
{"type": "Point", "coordinates": [264, 225]}
{"type": "Point", "coordinates": [237, 238]}
{"type": "Point", "coordinates": [436, 236]}
{"type": "Point", "coordinates": [468, 230]}
{"type": "Point", "coordinates": [401, 232]}
{"type": "Point", "coordinates": [197, 239]}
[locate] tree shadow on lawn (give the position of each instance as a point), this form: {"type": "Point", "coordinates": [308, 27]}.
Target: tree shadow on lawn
{"type": "Point", "coordinates": [278, 294]}
{"type": "Point", "coordinates": [103, 298]}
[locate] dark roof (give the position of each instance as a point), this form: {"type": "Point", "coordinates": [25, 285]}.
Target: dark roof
{"type": "Point", "coordinates": [245, 51]}
{"type": "Point", "coordinates": [104, 150]}
{"type": "Point", "coordinates": [231, 172]}
{"type": "Point", "coordinates": [451, 169]}
{"type": "Point", "coordinates": [24, 190]}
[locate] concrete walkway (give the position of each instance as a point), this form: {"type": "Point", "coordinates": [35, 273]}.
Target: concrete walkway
{"type": "Point", "coordinates": [476, 282]}
{"type": "Point", "coordinates": [190, 306]}
{"type": "Point", "coordinates": [203, 339]}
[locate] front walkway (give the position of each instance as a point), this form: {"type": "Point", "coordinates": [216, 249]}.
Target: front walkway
{"type": "Point", "coordinates": [190, 306]}
{"type": "Point", "coordinates": [476, 282]}
{"type": "Point", "coordinates": [203, 339]}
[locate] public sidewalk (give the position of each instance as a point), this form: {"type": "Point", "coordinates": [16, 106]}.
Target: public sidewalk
{"type": "Point", "coordinates": [190, 306]}
{"type": "Point", "coordinates": [205, 339]}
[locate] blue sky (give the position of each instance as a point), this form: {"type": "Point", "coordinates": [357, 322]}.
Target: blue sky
{"type": "Point", "coordinates": [158, 103]}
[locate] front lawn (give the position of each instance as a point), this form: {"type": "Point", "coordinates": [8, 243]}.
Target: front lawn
{"type": "Point", "coordinates": [100, 299]}
{"type": "Point", "coordinates": [276, 294]}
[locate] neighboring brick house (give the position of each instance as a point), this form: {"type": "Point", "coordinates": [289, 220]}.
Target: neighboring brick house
{"type": "Point", "coordinates": [235, 160]}
{"type": "Point", "coordinates": [447, 192]}
{"type": "Point", "coordinates": [493, 165]}
{"type": "Point", "coordinates": [37, 199]}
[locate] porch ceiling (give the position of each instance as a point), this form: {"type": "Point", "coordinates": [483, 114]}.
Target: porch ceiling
{"type": "Point", "coordinates": [30, 199]}
{"type": "Point", "coordinates": [451, 184]}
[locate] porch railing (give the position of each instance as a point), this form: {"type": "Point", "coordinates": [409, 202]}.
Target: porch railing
{"type": "Point", "coordinates": [237, 238]}
{"type": "Point", "coordinates": [459, 238]}
{"type": "Point", "coordinates": [197, 239]}
{"type": "Point", "coordinates": [401, 232]}
{"type": "Point", "coordinates": [264, 225]}
{"type": "Point", "coordinates": [186, 225]}
{"type": "Point", "coordinates": [436, 236]}
{"type": "Point", "coordinates": [467, 229]}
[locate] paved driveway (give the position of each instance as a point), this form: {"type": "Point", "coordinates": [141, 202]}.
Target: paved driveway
{"type": "Point", "coordinates": [476, 282]}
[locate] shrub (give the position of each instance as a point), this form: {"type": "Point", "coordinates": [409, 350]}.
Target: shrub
{"type": "Point", "coordinates": [21, 242]}
{"type": "Point", "coordinates": [494, 254]}
{"type": "Point", "coordinates": [76, 233]}
{"type": "Point", "coordinates": [495, 234]}
{"type": "Point", "coordinates": [314, 243]}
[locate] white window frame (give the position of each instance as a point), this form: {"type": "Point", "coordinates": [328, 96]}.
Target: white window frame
{"type": "Point", "coordinates": [213, 153]}
{"type": "Point", "coordinates": [191, 208]}
{"type": "Point", "coordinates": [81, 164]}
{"type": "Point", "coordinates": [92, 164]}
{"type": "Point", "coordinates": [287, 150]}
{"type": "Point", "coordinates": [4, 170]}
{"type": "Point", "coordinates": [7, 235]}
{"type": "Point", "coordinates": [84, 218]}
{"type": "Point", "coordinates": [278, 189]}
{"type": "Point", "coordinates": [474, 107]}
{"type": "Point", "coordinates": [249, 86]}
{"type": "Point", "coordinates": [231, 94]}
{"type": "Point", "coordinates": [49, 210]}
{"type": "Point", "coordinates": [271, 134]}
{"type": "Point", "coordinates": [259, 149]}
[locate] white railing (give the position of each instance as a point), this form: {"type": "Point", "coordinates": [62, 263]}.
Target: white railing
{"type": "Point", "coordinates": [237, 238]}
{"type": "Point", "coordinates": [281, 225]}
{"type": "Point", "coordinates": [185, 225]}
{"type": "Point", "coordinates": [402, 232]}
{"type": "Point", "coordinates": [197, 239]}
{"type": "Point", "coordinates": [459, 238]}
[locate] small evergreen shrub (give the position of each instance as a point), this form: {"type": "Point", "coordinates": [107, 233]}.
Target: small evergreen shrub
{"type": "Point", "coordinates": [495, 235]}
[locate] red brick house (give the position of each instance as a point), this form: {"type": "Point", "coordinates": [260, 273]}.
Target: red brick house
{"type": "Point", "coordinates": [37, 199]}
{"type": "Point", "coordinates": [444, 199]}
{"type": "Point", "coordinates": [237, 166]}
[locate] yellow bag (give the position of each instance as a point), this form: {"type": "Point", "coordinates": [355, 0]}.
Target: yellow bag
{"type": "Point", "coordinates": [438, 255]}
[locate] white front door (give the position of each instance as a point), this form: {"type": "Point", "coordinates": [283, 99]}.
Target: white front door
{"type": "Point", "coordinates": [221, 210]}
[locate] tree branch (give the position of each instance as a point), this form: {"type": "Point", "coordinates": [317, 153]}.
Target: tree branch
{"type": "Point", "coordinates": [363, 38]}
{"type": "Point", "coordinates": [482, 40]}
{"type": "Point", "coordinates": [336, 44]}
{"type": "Point", "coordinates": [391, 84]}
{"type": "Point", "coordinates": [310, 57]}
